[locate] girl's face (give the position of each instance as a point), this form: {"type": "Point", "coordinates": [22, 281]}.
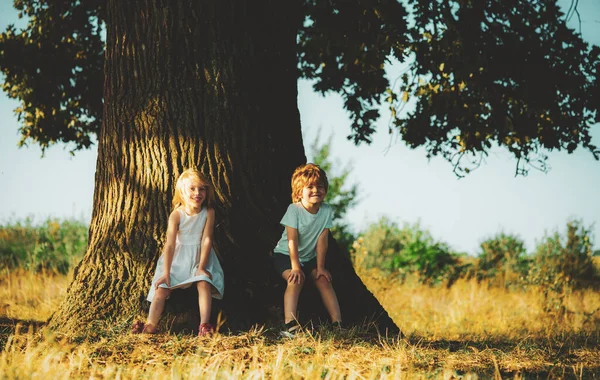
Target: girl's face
{"type": "Point", "coordinates": [313, 194]}
{"type": "Point", "coordinates": [194, 193]}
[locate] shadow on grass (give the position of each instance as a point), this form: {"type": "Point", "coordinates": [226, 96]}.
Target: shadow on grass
{"type": "Point", "coordinates": [8, 326]}
{"type": "Point", "coordinates": [562, 356]}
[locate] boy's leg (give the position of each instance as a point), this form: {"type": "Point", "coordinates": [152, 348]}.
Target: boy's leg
{"type": "Point", "coordinates": [283, 266]}
{"type": "Point", "coordinates": [328, 296]}
{"type": "Point", "coordinates": [290, 298]}
{"type": "Point", "coordinates": [157, 306]}
{"type": "Point", "coordinates": [204, 300]}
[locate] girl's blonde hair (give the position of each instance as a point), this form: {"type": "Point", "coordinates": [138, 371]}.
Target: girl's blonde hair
{"type": "Point", "coordinates": [194, 175]}
{"type": "Point", "coordinates": [307, 174]}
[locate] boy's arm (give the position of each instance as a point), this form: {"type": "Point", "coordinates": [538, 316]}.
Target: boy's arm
{"type": "Point", "coordinates": [322, 245]}
{"type": "Point", "coordinates": [296, 274]}
{"type": "Point", "coordinates": [206, 242]}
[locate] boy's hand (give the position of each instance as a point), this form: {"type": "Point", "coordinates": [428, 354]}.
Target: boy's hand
{"type": "Point", "coordinates": [203, 272]}
{"type": "Point", "coordinates": [164, 279]}
{"type": "Point", "coordinates": [323, 272]}
{"type": "Point", "coordinates": [296, 276]}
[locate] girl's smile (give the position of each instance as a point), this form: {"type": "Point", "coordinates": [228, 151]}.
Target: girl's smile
{"type": "Point", "coordinates": [196, 193]}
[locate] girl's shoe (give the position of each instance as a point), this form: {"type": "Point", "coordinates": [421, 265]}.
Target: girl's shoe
{"type": "Point", "coordinates": [140, 328]}
{"type": "Point", "coordinates": [206, 329]}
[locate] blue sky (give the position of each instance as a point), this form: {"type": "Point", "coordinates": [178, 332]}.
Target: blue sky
{"type": "Point", "coordinates": [393, 180]}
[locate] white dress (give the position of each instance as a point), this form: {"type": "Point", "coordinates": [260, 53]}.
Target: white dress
{"type": "Point", "coordinates": [187, 257]}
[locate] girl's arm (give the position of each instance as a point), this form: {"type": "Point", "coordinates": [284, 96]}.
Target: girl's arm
{"type": "Point", "coordinates": [322, 245]}
{"type": "Point", "coordinates": [169, 249]}
{"type": "Point", "coordinates": [206, 242]}
{"type": "Point", "coordinates": [296, 274]}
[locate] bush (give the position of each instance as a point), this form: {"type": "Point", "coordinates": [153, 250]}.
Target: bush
{"type": "Point", "coordinates": [53, 245]}
{"type": "Point", "coordinates": [562, 261]}
{"type": "Point", "coordinates": [404, 251]}
{"type": "Point", "coordinates": [502, 257]}
{"type": "Point", "coordinates": [562, 264]}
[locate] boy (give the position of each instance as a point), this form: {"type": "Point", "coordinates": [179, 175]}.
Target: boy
{"type": "Point", "coordinates": [301, 251]}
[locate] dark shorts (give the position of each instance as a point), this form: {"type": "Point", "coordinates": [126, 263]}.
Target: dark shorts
{"type": "Point", "coordinates": [282, 263]}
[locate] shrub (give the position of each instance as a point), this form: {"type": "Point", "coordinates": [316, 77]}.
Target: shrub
{"type": "Point", "coordinates": [502, 257]}
{"type": "Point", "coordinates": [52, 245]}
{"type": "Point", "coordinates": [563, 263]}
{"type": "Point", "coordinates": [401, 251]}
{"type": "Point", "coordinates": [565, 260]}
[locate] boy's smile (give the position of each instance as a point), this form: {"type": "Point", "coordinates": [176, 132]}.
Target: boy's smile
{"type": "Point", "coordinates": [312, 197]}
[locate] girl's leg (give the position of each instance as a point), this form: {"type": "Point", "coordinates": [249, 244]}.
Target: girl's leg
{"type": "Point", "coordinates": [204, 300]}
{"type": "Point", "coordinates": [328, 296]}
{"type": "Point", "coordinates": [156, 308]}
{"type": "Point", "coordinates": [290, 298]}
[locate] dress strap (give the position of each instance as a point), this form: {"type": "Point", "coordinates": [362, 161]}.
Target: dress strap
{"type": "Point", "coordinates": [182, 216]}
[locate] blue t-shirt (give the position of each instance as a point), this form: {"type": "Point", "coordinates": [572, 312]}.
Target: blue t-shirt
{"type": "Point", "coordinates": [309, 228]}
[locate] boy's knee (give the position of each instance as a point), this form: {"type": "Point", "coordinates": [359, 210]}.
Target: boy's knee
{"type": "Point", "coordinates": [322, 283]}
{"type": "Point", "coordinates": [293, 285]}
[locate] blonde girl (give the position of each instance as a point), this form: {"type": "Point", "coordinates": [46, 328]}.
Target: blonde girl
{"type": "Point", "coordinates": [188, 256]}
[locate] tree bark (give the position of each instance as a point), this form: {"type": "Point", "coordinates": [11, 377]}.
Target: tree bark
{"type": "Point", "coordinates": [209, 84]}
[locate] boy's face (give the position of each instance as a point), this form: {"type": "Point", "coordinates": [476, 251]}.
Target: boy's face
{"type": "Point", "coordinates": [313, 193]}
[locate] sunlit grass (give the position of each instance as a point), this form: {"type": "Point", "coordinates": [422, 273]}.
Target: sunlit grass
{"type": "Point", "coordinates": [466, 331]}
{"type": "Point", "coordinates": [28, 295]}
{"type": "Point", "coordinates": [472, 310]}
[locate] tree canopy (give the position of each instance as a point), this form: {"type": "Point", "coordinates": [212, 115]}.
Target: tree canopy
{"type": "Point", "coordinates": [478, 73]}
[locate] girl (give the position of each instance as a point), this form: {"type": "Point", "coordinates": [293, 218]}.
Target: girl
{"type": "Point", "coordinates": [188, 256]}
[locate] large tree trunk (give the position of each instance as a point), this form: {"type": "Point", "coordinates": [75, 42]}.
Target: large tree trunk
{"type": "Point", "coordinates": [210, 84]}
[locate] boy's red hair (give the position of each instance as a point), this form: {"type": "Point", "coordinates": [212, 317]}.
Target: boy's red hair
{"type": "Point", "coordinates": [305, 175]}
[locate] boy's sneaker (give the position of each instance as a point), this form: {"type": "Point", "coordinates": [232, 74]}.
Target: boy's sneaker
{"type": "Point", "coordinates": [206, 329]}
{"type": "Point", "coordinates": [290, 330]}
{"type": "Point", "coordinates": [337, 326]}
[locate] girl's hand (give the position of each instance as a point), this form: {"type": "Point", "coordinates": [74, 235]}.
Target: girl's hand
{"type": "Point", "coordinates": [203, 272]}
{"type": "Point", "coordinates": [323, 272]}
{"type": "Point", "coordinates": [296, 276]}
{"type": "Point", "coordinates": [165, 279]}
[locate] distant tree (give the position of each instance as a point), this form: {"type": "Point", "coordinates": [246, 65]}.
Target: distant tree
{"type": "Point", "coordinates": [562, 263]}
{"type": "Point", "coordinates": [341, 195]}
{"type": "Point", "coordinates": [213, 84]}
{"type": "Point", "coordinates": [565, 260]}
{"type": "Point", "coordinates": [407, 250]}
{"type": "Point", "coordinates": [502, 257]}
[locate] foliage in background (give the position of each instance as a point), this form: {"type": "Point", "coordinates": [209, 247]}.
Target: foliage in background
{"type": "Point", "coordinates": [565, 259]}
{"type": "Point", "coordinates": [52, 245]}
{"type": "Point", "coordinates": [563, 263]}
{"type": "Point", "coordinates": [407, 250]}
{"type": "Point", "coordinates": [341, 196]}
{"type": "Point", "coordinates": [502, 258]}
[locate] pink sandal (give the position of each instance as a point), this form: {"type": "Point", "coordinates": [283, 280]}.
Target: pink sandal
{"type": "Point", "coordinates": [206, 329]}
{"type": "Point", "coordinates": [140, 328]}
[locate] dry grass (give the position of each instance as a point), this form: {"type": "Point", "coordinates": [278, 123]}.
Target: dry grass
{"type": "Point", "coordinates": [469, 331]}
{"type": "Point", "coordinates": [473, 311]}
{"type": "Point", "coordinates": [30, 296]}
